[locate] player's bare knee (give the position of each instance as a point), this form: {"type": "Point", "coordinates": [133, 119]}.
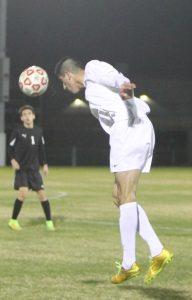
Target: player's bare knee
{"type": "Point", "coordinates": [22, 196]}
{"type": "Point", "coordinates": [116, 201]}
{"type": "Point", "coordinates": [115, 191]}
{"type": "Point", "coordinates": [42, 199]}
{"type": "Point", "coordinates": [22, 199]}
{"type": "Point", "coordinates": [126, 198]}
{"type": "Point", "coordinates": [42, 196]}
{"type": "Point", "coordinates": [114, 195]}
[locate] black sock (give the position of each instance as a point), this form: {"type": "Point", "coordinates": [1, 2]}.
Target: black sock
{"type": "Point", "coordinates": [46, 209]}
{"type": "Point", "coordinates": [17, 208]}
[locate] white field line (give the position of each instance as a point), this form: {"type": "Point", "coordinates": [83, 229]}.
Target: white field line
{"type": "Point", "coordinates": [54, 197]}
{"type": "Point", "coordinates": [59, 196]}
{"type": "Point", "coordinates": [109, 223]}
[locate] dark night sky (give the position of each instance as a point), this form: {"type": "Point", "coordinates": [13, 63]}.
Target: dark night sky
{"type": "Point", "coordinates": [153, 36]}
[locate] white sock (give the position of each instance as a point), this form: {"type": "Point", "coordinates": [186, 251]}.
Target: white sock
{"type": "Point", "coordinates": [147, 233]}
{"type": "Point", "coordinates": [128, 222]}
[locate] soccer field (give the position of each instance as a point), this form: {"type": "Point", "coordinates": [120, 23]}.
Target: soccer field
{"type": "Point", "coordinates": [77, 260]}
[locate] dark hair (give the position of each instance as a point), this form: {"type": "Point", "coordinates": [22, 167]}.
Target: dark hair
{"type": "Point", "coordinates": [24, 107]}
{"type": "Point", "coordinates": [67, 64]}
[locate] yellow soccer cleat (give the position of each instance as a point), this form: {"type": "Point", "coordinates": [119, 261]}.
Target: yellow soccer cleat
{"type": "Point", "coordinates": [123, 274]}
{"type": "Point", "coordinates": [14, 224]}
{"type": "Point", "coordinates": [157, 265]}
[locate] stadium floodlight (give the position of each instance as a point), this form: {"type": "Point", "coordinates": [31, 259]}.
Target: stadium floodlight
{"type": "Point", "coordinates": [77, 106]}
{"type": "Point", "coordinates": [78, 103]}
{"type": "Point", "coordinates": [146, 99]}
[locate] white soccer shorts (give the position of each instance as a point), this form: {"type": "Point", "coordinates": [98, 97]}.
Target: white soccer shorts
{"type": "Point", "coordinates": [132, 147]}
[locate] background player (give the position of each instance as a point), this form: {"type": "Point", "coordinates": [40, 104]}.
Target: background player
{"type": "Point", "coordinates": [26, 149]}
{"type": "Point", "coordinates": [131, 149]}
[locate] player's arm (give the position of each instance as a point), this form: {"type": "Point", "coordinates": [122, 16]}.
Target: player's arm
{"type": "Point", "coordinates": [11, 150]}
{"type": "Point", "coordinates": [42, 154]}
{"type": "Point", "coordinates": [105, 74]}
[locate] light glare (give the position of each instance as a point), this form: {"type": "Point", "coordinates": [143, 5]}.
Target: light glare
{"type": "Point", "coordinates": [78, 103]}
{"type": "Point", "coordinates": [145, 98]}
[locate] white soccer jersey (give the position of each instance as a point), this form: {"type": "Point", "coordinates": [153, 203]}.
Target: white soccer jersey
{"type": "Point", "coordinates": [102, 82]}
{"type": "Point", "coordinates": [131, 132]}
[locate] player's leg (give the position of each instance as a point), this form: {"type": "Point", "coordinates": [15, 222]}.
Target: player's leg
{"type": "Point", "coordinates": [21, 185]}
{"type": "Point", "coordinates": [128, 222]}
{"type": "Point", "coordinates": [13, 222]}
{"type": "Point", "coordinates": [144, 227]}
{"type": "Point", "coordinates": [114, 194]}
{"type": "Point", "coordinates": [46, 208]}
{"type": "Point", "coordinates": [36, 183]}
{"type": "Point", "coordinates": [160, 256]}
{"type": "Point", "coordinates": [126, 183]}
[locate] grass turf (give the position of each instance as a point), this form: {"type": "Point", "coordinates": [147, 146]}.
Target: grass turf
{"type": "Point", "coordinates": [77, 260]}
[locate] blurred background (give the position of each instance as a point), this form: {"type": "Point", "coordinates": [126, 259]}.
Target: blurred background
{"type": "Point", "coordinates": [149, 41]}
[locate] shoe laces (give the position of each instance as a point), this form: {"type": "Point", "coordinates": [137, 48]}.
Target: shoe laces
{"type": "Point", "coordinates": [118, 266]}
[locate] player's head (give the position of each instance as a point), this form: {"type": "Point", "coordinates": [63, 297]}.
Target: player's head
{"type": "Point", "coordinates": [70, 71]}
{"type": "Point", "coordinates": [27, 115]}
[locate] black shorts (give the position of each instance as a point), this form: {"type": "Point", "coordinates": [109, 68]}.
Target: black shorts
{"type": "Point", "coordinates": [31, 179]}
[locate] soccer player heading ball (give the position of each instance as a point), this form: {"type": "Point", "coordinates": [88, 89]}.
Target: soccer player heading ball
{"type": "Point", "coordinates": [26, 148]}
{"type": "Point", "coordinates": [131, 138]}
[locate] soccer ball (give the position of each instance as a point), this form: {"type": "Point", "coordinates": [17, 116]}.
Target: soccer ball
{"type": "Point", "coordinates": [33, 81]}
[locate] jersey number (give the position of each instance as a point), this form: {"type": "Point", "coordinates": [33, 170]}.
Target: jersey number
{"type": "Point", "coordinates": [32, 140]}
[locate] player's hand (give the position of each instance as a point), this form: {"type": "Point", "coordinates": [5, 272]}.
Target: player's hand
{"type": "Point", "coordinates": [45, 169]}
{"type": "Point", "coordinates": [15, 164]}
{"type": "Point", "coordinates": [126, 90]}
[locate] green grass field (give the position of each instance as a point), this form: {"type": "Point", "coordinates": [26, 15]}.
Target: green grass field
{"type": "Point", "coordinates": [77, 260]}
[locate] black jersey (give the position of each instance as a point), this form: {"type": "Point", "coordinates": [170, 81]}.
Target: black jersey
{"type": "Point", "coordinates": [27, 147]}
